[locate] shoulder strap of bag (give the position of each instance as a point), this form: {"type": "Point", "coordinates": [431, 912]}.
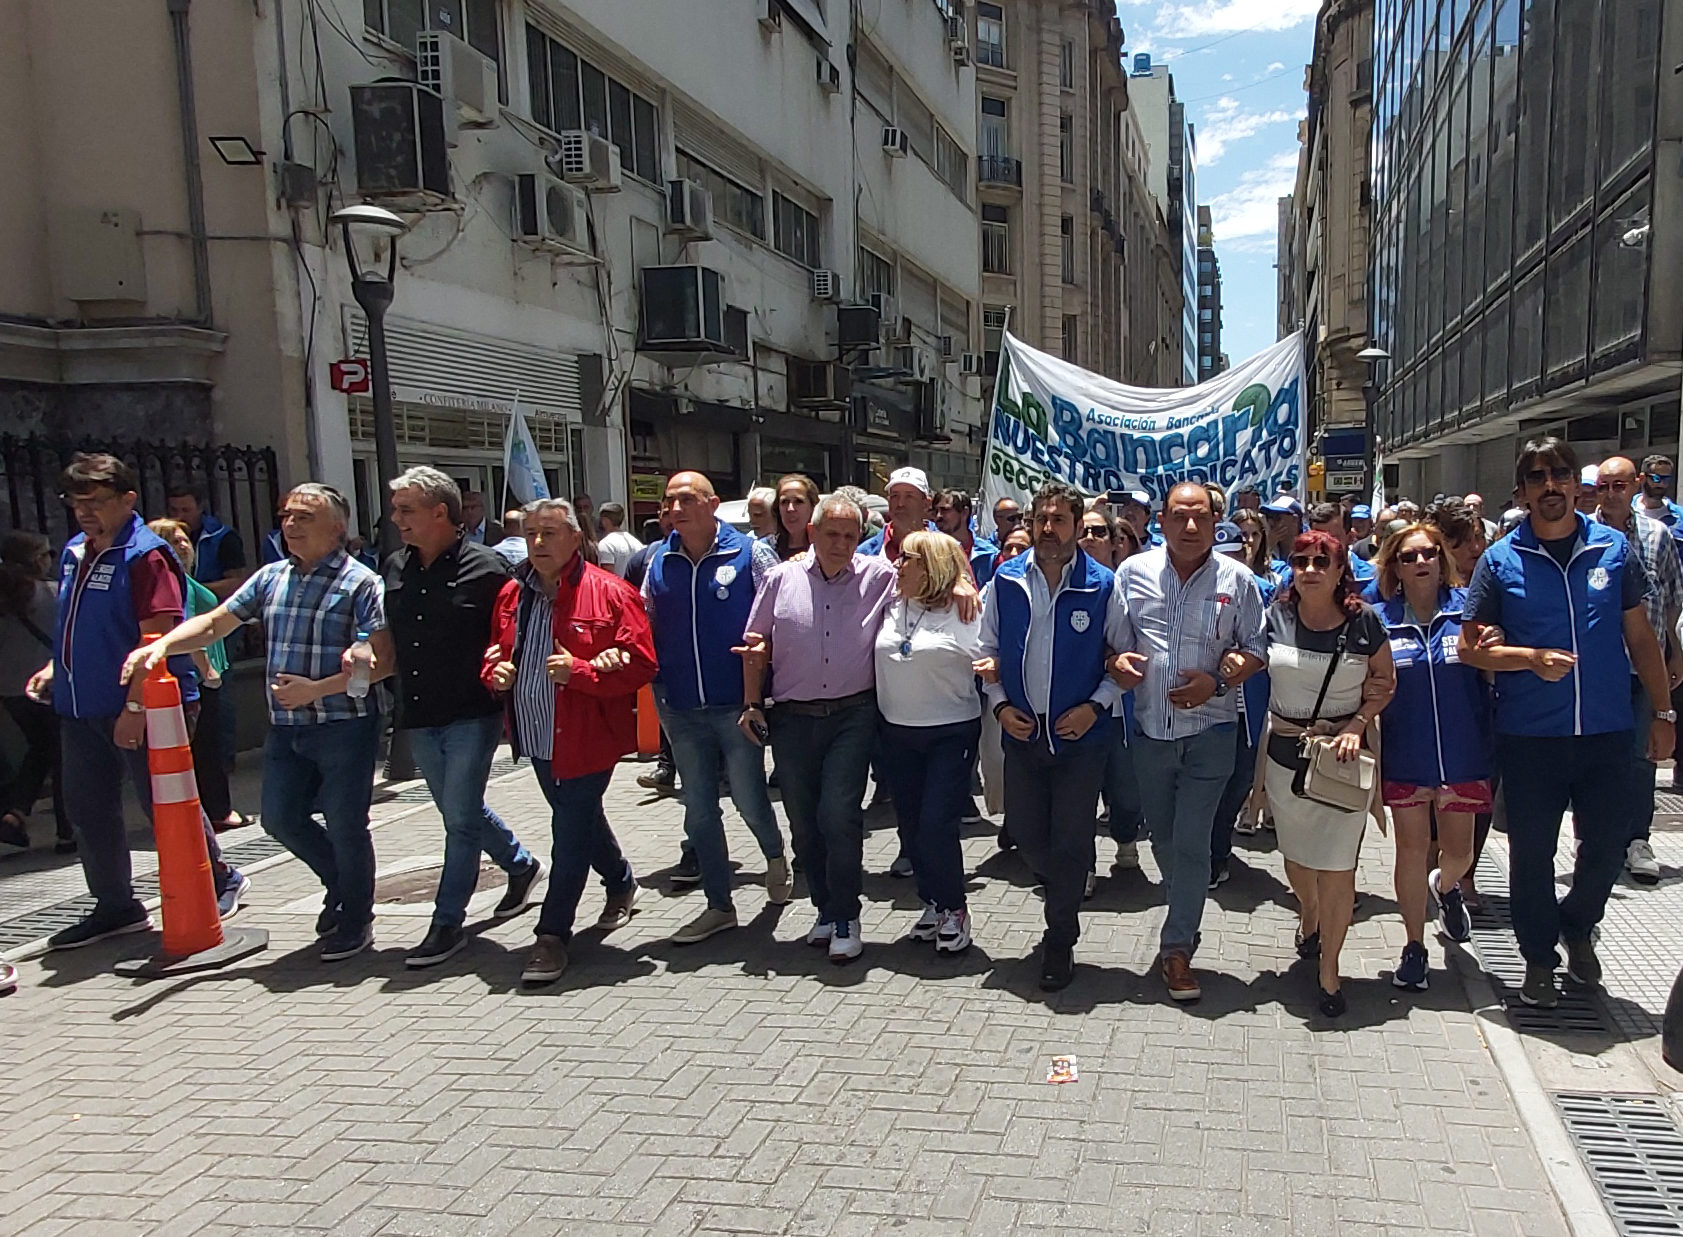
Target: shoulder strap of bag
{"type": "Point", "coordinates": [35, 631]}
{"type": "Point", "coordinates": [1332, 667]}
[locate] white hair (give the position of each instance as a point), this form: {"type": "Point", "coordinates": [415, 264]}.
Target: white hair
{"type": "Point", "coordinates": [841, 507]}
{"type": "Point", "coordinates": [762, 494]}
{"type": "Point", "coordinates": [433, 486]}
{"type": "Point", "coordinates": [550, 506]}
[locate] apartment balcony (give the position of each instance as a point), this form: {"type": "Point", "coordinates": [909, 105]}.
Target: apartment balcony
{"type": "Point", "coordinates": [1000, 170]}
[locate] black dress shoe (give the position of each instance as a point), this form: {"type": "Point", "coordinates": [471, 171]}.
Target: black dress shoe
{"type": "Point", "coordinates": [1309, 946]}
{"type": "Point", "coordinates": [1057, 967]}
{"type": "Point", "coordinates": [1331, 1004]}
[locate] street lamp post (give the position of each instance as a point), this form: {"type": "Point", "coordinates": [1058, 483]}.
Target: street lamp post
{"type": "Point", "coordinates": [1372, 357]}
{"type": "Point", "coordinates": [373, 292]}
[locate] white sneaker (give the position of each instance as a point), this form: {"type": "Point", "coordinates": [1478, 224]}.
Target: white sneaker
{"type": "Point", "coordinates": [953, 935]}
{"type": "Point", "coordinates": [820, 932]}
{"type": "Point", "coordinates": [1641, 864]}
{"type": "Point", "coordinates": [845, 942]}
{"type": "Point", "coordinates": [1127, 857]}
{"type": "Point", "coordinates": [927, 925]}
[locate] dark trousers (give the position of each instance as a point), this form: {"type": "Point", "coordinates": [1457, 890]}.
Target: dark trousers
{"type": "Point", "coordinates": [821, 767]}
{"type": "Point", "coordinates": [94, 769]}
{"type": "Point", "coordinates": [1542, 778]}
{"type": "Point", "coordinates": [1233, 797]}
{"type": "Point", "coordinates": [1052, 802]}
{"type": "Point", "coordinates": [208, 765]}
{"type": "Point", "coordinates": [39, 726]}
{"type": "Point", "coordinates": [583, 841]}
{"type": "Point", "coordinates": [928, 770]}
{"type": "Point", "coordinates": [1121, 784]}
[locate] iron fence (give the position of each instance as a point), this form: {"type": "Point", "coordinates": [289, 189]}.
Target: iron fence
{"type": "Point", "coordinates": [241, 484]}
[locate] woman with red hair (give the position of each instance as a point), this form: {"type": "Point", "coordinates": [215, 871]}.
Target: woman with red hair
{"type": "Point", "coordinates": [1330, 673]}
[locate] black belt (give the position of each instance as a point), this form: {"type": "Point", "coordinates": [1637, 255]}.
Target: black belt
{"type": "Point", "coordinates": [824, 708]}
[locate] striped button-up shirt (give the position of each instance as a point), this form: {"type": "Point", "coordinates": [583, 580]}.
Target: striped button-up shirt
{"type": "Point", "coordinates": [1181, 626]}
{"type": "Point", "coordinates": [311, 618]}
{"type": "Point", "coordinates": [1653, 544]}
{"type": "Point", "coordinates": [534, 690]}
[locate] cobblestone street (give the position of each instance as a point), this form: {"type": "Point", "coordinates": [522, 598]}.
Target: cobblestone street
{"type": "Point", "coordinates": [747, 1085]}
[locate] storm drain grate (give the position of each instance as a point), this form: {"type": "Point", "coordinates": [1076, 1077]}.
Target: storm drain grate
{"type": "Point", "coordinates": [1499, 958]}
{"type": "Point", "coordinates": [34, 925]}
{"type": "Point", "coordinates": [1634, 1151]}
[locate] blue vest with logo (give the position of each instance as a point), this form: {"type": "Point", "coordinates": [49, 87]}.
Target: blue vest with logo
{"type": "Point", "coordinates": [1437, 726]}
{"type": "Point", "coordinates": [1579, 608]}
{"type": "Point", "coordinates": [207, 553]}
{"type": "Point", "coordinates": [700, 611]}
{"type": "Point", "coordinates": [1078, 647]}
{"type": "Point", "coordinates": [97, 627]}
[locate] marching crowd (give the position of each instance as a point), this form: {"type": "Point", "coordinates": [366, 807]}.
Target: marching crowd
{"type": "Point", "coordinates": [1223, 664]}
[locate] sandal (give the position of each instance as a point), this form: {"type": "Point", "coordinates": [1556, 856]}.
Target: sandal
{"type": "Point", "coordinates": [1308, 946]}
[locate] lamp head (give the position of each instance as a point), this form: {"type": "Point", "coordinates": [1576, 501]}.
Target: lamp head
{"type": "Point", "coordinates": [370, 219]}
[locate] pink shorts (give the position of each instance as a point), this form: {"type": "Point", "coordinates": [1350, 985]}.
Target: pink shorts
{"type": "Point", "coordinates": [1456, 797]}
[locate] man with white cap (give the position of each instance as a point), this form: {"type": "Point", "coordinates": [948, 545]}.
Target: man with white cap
{"type": "Point", "coordinates": [1135, 508]}
{"type": "Point", "coordinates": [1283, 515]}
{"type": "Point", "coordinates": [909, 497]}
{"type": "Point", "coordinates": [1365, 545]}
{"type": "Point", "coordinates": [1588, 501]}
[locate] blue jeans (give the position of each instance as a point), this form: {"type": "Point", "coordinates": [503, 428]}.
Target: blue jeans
{"type": "Point", "coordinates": [1181, 782]}
{"type": "Point", "coordinates": [583, 841]}
{"type": "Point", "coordinates": [1541, 778]}
{"type": "Point", "coordinates": [700, 737]}
{"type": "Point", "coordinates": [94, 768]}
{"type": "Point", "coordinates": [1121, 783]}
{"type": "Point", "coordinates": [327, 766]}
{"type": "Point", "coordinates": [456, 761]}
{"type": "Point", "coordinates": [821, 767]}
{"type": "Point", "coordinates": [928, 770]}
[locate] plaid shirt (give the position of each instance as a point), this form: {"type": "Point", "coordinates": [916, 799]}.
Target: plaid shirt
{"type": "Point", "coordinates": [1652, 542]}
{"type": "Point", "coordinates": [311, 619]}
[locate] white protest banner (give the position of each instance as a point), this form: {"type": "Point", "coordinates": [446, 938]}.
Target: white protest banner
{"type": "Point", "coordinates": [521, 465]}
{"type": "Point", "coordinates": [1052, 420]}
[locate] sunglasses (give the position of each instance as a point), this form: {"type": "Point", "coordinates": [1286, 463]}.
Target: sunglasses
{"type": "Point", "coordinates": [1542, 476]}
{"type": "Point", "coordinates": [1427, 554]}
{"type": "Point", "coordinates": [1096, 530]}
{"type": "Point", "coordinates": [1302, 562]}
{"type": "Point", "coordinates": [1658, 478]}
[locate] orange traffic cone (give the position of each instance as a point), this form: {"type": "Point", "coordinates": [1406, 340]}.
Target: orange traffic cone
{"type": "Point", "coordinates": [648, 723]}
{"type": "Point", "coordinates": [194, 938]}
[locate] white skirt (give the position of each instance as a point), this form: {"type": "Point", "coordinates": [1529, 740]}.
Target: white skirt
{"type": "Point", "coordinates": [1311, 834]}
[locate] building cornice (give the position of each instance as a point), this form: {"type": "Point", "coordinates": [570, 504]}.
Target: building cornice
{"type": "Point", "coordinates": [165, 352]}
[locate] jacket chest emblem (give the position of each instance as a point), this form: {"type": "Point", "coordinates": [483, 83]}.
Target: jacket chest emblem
{"type": "Point", "coordinates": [1598, 578]}
{"type": "Point", "coordinates": [1080, 620]}
{"type": "Point", "coordinates": [724, 577]}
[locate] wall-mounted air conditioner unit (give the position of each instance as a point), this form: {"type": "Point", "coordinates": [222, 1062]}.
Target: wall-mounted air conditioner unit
{"type": "Point", "coordinates": [550, 214]}
{"type": "Point", "coordinates": [689, 210]}
{"type": "Point", "coordinates": [462, 74]}
{"type": "Point", "coordinates": [819, 384]}
{"type": "Point", "coordinates": [683, 312]}
{"type": "Point", "coordinates": [858, 326]}
{"type": "Point", "coordinates": [400, 139]}
{"type": "Point", "coordinates": [895, 143]}
{"type": "Point", "coordinates": [826, 286]}
{"type": "Point", "coordinates": [829, 76]}
{"type": "Point", "coordinates": [971, 364]}
{"type": "Point", "coordinates": [962, 55]}
{"type": "Point", "coordinates": [914, 361]}
{"type": "Point", "coordinates": [955, 30]}
{"type": "Point", "coordinates": [946, 342]}
{"type": "Point", "coordinates": [931, 416]}
{"type": "Point", "coordinates": [771, 15]}
{"type": "Point", "coordinates": [588, 160]}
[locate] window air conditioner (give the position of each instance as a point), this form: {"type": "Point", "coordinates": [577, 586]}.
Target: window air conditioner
{"type": "Point", "coordinates": [400, 139]}
{"type": "Point", "coordinates": [826, 286]}
{"type": "Point", "coordinates": [689, 210]}
{"type": "Point", "coordinates": [819, 384]}
{"type": "Point", "coordinates": [829, 76]}
{"type": "Point", "coordinates": [588, 160]}
{"type": "Point", "coordinates": [971, 364]}
{"type": "Point", "coordinates": [858, 326]}
{"type": "Point", "coordinates": [895, 143]}
{"type": "Point", "coordinates": [460, 73]}
{"type": "Point", "coordinates": [946, 347]}
{"type": "Point", "coordinates": [955, 30]}
{"type": "Point", "coordinates": [683, 311]}
{"type": "Point", "coordinates": [962, 55]}
{"type": "Point", "coordinates": [771, 15]}
{"type": "Point", "coordinates": [550, 214]}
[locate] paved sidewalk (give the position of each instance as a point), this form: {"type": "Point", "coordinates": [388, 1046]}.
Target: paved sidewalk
{"type": "Point", "coordinates": [745, 1085]}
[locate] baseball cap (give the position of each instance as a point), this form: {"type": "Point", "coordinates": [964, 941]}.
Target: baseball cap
{"type": "Point", "coordinates": [1283, 504]}
{"type": "Point", "coordinates": [913, 477]}
{"type": "Point", "coordinates": [1138, 496]}
{"type": "Point", "coordinates": [1229, 539]}
{"type": "Point", "coordinates": [1588, 475]}
{"type": "Point", "coordinates": [1361, 511]}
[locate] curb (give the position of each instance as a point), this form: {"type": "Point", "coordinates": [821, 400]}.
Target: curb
{"type": "Point", "coordinates": [1579, 1199]}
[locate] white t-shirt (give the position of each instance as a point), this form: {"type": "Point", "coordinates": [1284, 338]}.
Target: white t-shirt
{"type": "Point", "coordinates": [614, 551]}
{"type": "Point", "coordinates": [935, 685]}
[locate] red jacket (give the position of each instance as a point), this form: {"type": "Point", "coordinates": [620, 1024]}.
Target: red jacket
{"type": "Point", "coordinates": [594, 610]}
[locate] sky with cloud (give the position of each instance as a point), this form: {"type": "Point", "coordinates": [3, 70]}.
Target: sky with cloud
{"type": "Point", "coordinates": [1238, 66]}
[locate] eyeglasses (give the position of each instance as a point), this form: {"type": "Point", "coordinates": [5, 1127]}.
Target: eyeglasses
{"type": "Point", "coordinates": [1425, 554]}
{"type": "Point", "coordinates": [1098, 531]}
{"type": "Point", "coordinates": [1302, 562]}
{"type": "Point", "coordinates": [1542, 476]}
{"type": "Point", "coordinates": [1618, 483]}
{"type": "Point", "coordinates": [86, 502]}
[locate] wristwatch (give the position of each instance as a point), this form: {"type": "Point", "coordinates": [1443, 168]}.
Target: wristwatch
{"type": "Point", "coordinates": [134, 706]}
{"type": "Point", "coordinates": [1666, 715]}
{"type": "Point", "coordinates": [1221, 687]}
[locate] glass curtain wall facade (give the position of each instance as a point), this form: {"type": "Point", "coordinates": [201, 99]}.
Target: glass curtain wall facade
{"type": "Point", "coordinates": [1513, 150]}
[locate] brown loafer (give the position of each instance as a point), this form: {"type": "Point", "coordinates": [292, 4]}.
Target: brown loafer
{"type": "Point", "coordinates": [1178, 977]}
